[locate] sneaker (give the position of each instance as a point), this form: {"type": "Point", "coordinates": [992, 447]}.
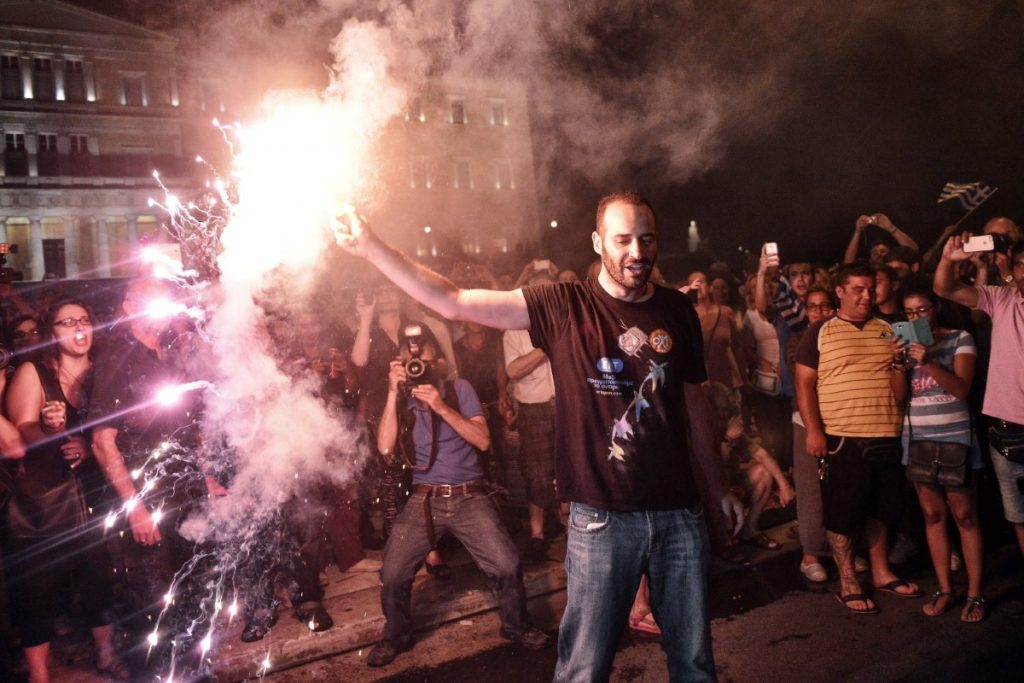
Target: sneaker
{"type": "Point", "coordinates": [814, 572]}
{"type": "Point", "coordinates": [956, 562]}
{"type": "Point", "coordinates": [531, 638]}
{"type": "Point", "coordinates": [860, 565]}
{"type": "Point", "coordinates": [902, 550]}
{"type": "Point", "coordinates": [383, 653]}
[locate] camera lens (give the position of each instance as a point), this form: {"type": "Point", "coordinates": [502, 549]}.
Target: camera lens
{"type": "Point", "coordinates": [415, 368]}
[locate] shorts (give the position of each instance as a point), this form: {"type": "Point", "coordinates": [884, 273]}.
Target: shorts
{"type": "Point", "coordinates": [861, 483]}
{"type": "Point", "coordinates": [537, 452]}
{"type": "Point", "coordinates": [1007, 473]}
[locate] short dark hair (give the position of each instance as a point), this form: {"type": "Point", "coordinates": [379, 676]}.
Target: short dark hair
{"type": "Point", "coordinates": [919, 286]}
{"type": "Point", "coordinates": [632, 198]}
{"type": "Point", "coordinates": [904, 254]}
{"type": "Point", "coordinates": [1016, 248]}
{"type": "Point", "coordinates": [889, 271]}
{"type": "Point", "coordinates": [852, 269]}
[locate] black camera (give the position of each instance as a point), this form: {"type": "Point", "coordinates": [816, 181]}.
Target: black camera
{"type": "Point", "coordinates": [417, 370]}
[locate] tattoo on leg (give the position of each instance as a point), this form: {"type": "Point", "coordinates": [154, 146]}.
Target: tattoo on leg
{"type": "Point", "coordinates": [842, 553]}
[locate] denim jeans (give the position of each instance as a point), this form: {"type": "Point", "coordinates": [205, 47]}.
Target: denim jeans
{"type": "Point", "coordinates": [474, 521]}
{"type": "Point", "coordinates": [606, 555]}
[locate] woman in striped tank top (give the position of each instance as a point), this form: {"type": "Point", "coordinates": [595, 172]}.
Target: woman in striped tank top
{"type": "Point", "coordinates": [940, 377]}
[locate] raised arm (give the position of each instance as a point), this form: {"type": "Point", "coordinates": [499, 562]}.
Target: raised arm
{"type": "Point", "coordinates": [882, 221]}
{"type": "Point", "coordinates": [493, 308]}
{"type": "Point", "coordinates": [946, 283]}
{"type": "Point", "coordinates": [853, 247]}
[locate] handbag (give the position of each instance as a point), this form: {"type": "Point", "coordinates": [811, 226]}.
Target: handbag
{"type": "Point", "coordinates": [935, 462]}
{"type": "Point", "coordinates": [767, 383]}
{"type": "Point", "coordinates": [47, 498]}
{"type": "Point", "coordinates": [1008, 439]}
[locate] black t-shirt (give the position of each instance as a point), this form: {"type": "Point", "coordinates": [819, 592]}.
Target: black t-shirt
{"type": "Point", "coordinates": [619, 369]}
{"type": "Point", "coordinates": [128, 376]}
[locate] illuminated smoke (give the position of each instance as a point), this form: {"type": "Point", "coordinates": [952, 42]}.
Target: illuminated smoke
{"type": "Point", "coordinates": [306, 154]}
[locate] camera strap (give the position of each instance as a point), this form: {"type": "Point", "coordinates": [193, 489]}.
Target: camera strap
{"type": "Point", "coordinates": [451, 398]}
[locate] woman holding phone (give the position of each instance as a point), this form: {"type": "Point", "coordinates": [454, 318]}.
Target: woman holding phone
{"type": "Point", "coordinates": [941, 458]}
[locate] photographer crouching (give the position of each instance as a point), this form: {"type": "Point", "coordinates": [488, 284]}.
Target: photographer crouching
{"type": "Point", "coordinates": [437, 427]}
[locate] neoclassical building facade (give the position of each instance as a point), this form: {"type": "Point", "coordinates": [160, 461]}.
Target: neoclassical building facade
{"type": "Point", "coordinates": [90, 106]}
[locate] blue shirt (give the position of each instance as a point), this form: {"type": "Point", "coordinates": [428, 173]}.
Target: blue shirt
{"type": "Point", "coordinates": [457, 459]}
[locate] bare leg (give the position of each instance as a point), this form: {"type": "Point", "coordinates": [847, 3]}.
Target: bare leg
{"type": "Point", "coordinates": [877, 537]}
{"type": "Point", "coordinates": [536, 521]}
{"type": "Point", "coordinates": [842, 553]}
{"type": "Point", "coordinates": [36, 658]}
{"type": "Point", "coordinates": [965, 514]}
{"type": "Point", "coordinates": [933, 506]}
{"type": "Point", "coordinates": [759, 482]}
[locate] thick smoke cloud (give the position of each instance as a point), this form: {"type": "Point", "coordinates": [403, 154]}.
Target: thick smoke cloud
{"type": "Point", "coordinates": [612, 84]}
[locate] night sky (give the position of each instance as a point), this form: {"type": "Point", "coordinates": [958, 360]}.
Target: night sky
{"type": "Point", "coordinates": [877, 126]}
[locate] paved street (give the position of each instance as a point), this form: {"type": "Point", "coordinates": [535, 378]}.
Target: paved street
{"type": "Point", "coordinates": [770, 626]}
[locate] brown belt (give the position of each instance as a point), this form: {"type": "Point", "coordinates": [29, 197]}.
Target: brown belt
{"type": "Point", "coordinates": [449, 490]}
{"type": "Point", "coordinates": [443, 491]}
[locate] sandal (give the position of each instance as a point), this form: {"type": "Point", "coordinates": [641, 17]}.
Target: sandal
{"type": "Point", "coordinates": [945, 597]}
{"type": "Point", "coordinates": [763, 541]}
{"type": "Point", "coordinates": [645, 624]}
{"type": "Point", "coordinates": [845, 601]}
{"type": "Point", "coordinates": [899, 583]}
{"type": "Point", "coordinates": [975, 610]}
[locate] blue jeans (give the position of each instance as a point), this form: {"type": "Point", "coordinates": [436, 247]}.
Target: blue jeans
{"type": "Point", "coordinates": [606, 555]}
{"type": "Point", "coordinates": [474, 521]}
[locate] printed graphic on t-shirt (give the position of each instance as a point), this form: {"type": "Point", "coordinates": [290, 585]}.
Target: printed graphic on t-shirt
{"type": "Point", "coordinates": [632, 342]}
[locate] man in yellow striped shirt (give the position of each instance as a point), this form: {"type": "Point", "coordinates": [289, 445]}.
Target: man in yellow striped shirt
{"type": "Point", "coordinates": [850, 388]}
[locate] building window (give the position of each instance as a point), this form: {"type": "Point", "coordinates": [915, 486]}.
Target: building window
{"type": "Point", "coordinates": [42, 79]}
{"type": "Point", "coordinates": [15, 157]}
{"type": "Point", "coordinates": [463, 179]}
{"type": "Point", "coordinates": [74, 81]}
{"type": "Point", "coordinates": [209, 98]}
{"type": "Point", "coordinates": [503, 175]}
{"type": "Point", "coordinates": [134, 91]}
{"type": "Point", "coordinates": [47, 142]}
{"type": "Point", "coordinates": [54, 261]}
{"type": "Point", "coordinates": [80, 162]}
{"type": "Point", "coordinates": [498, 116]}
{"type": "Point", "coordinates": [79, 144]}
{"type": "Point", "coordinates": [414, 110]}
{"type": "Point", "coordinates": [458, 111]}
{"type": "Point", "coordinates": [10, 78]}
{"type": "Point", "coordinates": [47, 159]}
{"type": "Point", "coordinates": [420, 176]}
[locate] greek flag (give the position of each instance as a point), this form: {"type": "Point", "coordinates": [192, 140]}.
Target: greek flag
{"type": "Point", "coordinates": [970, 195]}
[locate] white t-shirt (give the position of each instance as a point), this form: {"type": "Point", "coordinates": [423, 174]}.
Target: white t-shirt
{"type": "Point", "coordinates": [539, 385]}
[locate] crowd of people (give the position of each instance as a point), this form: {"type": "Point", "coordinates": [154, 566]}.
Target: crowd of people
{"type": "Point", "coordinates": [845, 389]}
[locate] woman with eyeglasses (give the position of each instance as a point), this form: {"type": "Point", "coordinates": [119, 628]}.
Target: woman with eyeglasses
{"type": "Point", "coordinates": [941, 457]}
{"type": "Point", "coordinates": [52, 542]}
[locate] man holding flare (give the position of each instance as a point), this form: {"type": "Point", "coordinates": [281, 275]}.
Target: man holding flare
{"type": "Point", "coordinates": [627, 357]}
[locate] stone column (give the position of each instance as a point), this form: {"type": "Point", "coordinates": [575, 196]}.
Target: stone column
{"type": "Point", "coordinates": [26, 78]}
{"type": "Point", "coordinates": [102, 248]}
{"type": "Point", "coordinates": [89, 72]}
{"type": "Point", "coordinates": [133, 235]}
{"type": "Point", "coordinates": [58, 80]}
{"type": "Point", "coordinates": [3, 230]}
{"type": "Point", "coordinates": [32, 149]}
{"type": "Point", "coordinates": [71, 247]}
{"type": "Point", "coordinates": [35, 244]}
